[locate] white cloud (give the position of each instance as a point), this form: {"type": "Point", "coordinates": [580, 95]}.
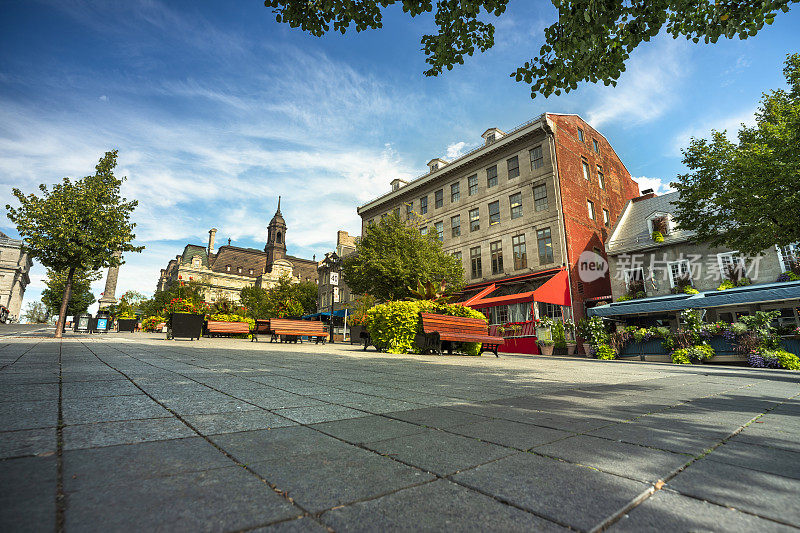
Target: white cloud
{"type": "Point", "coordinates": [103, 98]}
{"type": "Point", "coordinates": [455, 149]}
{"type": "Point", "coordinates": [647, 89]}
{"type": "Point", "coordinates": [701, 129]}
{"type": "Point", "coordinates": [659, 185]}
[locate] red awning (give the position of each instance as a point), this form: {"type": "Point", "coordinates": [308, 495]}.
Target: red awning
{"type": "Point", "coordinates": [484, 292]}
{"type": "Point", "coordinates": [555, 290]}
{"type": "Point", "coordinates": [504, 300]}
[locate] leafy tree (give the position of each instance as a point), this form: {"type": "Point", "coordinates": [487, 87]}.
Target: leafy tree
{"type": "Point", "coordinates": [36, 313]}
{"type": "Point", "coordinates": [77, 225]}
{"type": "Point", "coordinates": [746, 195]}
{"type": "Point", "coordinates": [393, 256]}
{"type": "Point", "coordinates": [188, 290]}
{"type": "Point", "coordinates": [80, 293]}
{"type": "Point", "coordinates": [591, 40]}
{"type": "Point", "coordinates": [128, 305]}
{"type": "Point", "coordinates": [286, 299]}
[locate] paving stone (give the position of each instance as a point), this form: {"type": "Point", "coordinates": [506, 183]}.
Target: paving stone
{"type": "Point", "coordinates": [110, 408]}
{"type": "Point", "coordinates": [656, 438]}
{"type": "Point", "coordinates": [28, 494]}
{"type": "Point", "coordinates": [508, 433]}
{"type": "Point", "coordinates": [765, 436]}
{"type": "Point", "coordinates": [207, 403]}
{"type": "Point", "coordinates": [437, 506]}
{"type": "Point", "coordinates": [82, 389]}
{"type": "Point", "coordinates": [368, 429]}
{"type": "Point", "coordinates": [772, 460]}
{"type": "Point", "coordinates": [436, 417]}
{"type": "Point", "coordinates": [237, 421]}
{"type": "Point", "coordinates": [27, 442]}
{"type": "Point", "coordinates": [323, 479]}
{"type": "Point", "coordinates": [382, 405]}
{"type": "Point", "coordinates": [568, 494]}
{"type": "Point", "coordinates": [224, 499]}
{"type": "Point", "coordinates": [28, 415]}
{"type": "Point", "coordinates": [319, 413]}
{"type": "Point", "coordinates": [280, 400]}
{"type": "Point", "coordinates": [689, 514]}
{"type": "Point", "coordinates": [299, 525]}
{"type": "Point", "coordinates": [264, 445]}
{"type": "Point", "coordinates": [742, 488]}
{"type": "Point", "coordinates": [30, 392]}
{"type": "Point", "coordinates": [129, 463]}
{"type": "Point", "coordinates": [439, 452]}
{"type": "Point", "coordinates": [102, 434]}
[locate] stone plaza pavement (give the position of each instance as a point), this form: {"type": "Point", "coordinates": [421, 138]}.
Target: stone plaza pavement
{"type": "Point", "coordinates": [138, 433]}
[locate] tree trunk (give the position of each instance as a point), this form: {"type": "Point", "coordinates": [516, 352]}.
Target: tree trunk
{"type": "Point", "coordinates": [62, 315]}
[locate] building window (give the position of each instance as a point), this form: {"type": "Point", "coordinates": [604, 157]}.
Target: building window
{"type": "Point", "coordinates": [423, 230]}
{"type": "Point", "coordinates": [537, 159]}
{"type": "Point", "coordinates": [238, 270]}
{"type": "Point", "coordinates": [439, 230]}
{"type": "Point", "coordinates": [680, 274]}
{"type": "Point", "coordinates": [409, 209]}
{"type": "Point", "coordinates": [606, 217]}
{"type": "Point", "coordinates": [457, 256]}
{"type": "Point", "coordinates": [601, 180]}
{"type": "Point", "coordinates": [545, 246]}
{"type": "Point", "coordinates": [513, 167]}
{"type": "Point", "coordinates": [475, 262]}
{"type": "Point", "coordinates": [595, 146]}
{"type": "Point", "coordinates": [585, 170]}
{"type": "Point", "coordinates": [634, 280]}
{"type": "Point", "coordinates": [540, 197]}
{"type": "Point", "coordinates": [250, 271]}
{"type": "Point", "coordinates": [423, 205]}
{"type": "Point", "coordinates": [590, 207]}
{"type": "Point", "coordinates": [580, 135]}
{"type": "Point", "coordinates": [195, 261]}
{"type": "Point", "coordinates": [472, 183]}
{"type": "Point", "coordinates": [788, 256]}
{"type": "Point", "coordinates": [455, 226]}
{"type": "Point", "coordinates": [518, 248]}
{"type": "Point", "coordinates": [438, 199]}
{"type": "Point", "coordinates": [474, 220]}
{"type": "Point", "coordinates": [731, 265]}
{"type": "Point", "coordinates": [491, 176]}
{"type": "Point", "coordinates": [455, 192]}
{"type": "Point", "coordinates": [494, 212]}
{"type": "Point", "coordinates": [515, 200]}
{"type": "Point", "coordinates": [496, 249]}
{"type": "Point", "coordinates": [227, 268]}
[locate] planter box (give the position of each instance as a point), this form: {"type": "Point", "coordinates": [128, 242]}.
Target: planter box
{"type": "Point", "coordinates": [546, 350]}
{"type": "Point", "coordinates": [791, 345]}
{"type": "Point", "coordinates": [722, 346]}
{"type": "Point", "coordinates": [126, 324]}
{"type": "Point", "coordinates": [357, 333]}
{"type": "Point", "coordinates": [185, 325]}
{"type": "Point", "coordinates": [649, 347]}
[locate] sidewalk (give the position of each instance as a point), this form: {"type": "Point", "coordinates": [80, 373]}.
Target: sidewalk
{"type": "Point", "coordinates": [129, 431]}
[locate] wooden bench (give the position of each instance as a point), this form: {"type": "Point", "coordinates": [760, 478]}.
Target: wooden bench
{"type": "Point", "coordinates": [294, 329]}
{"type": "Point", "coordinates": [455, 329]}
{"type": "Point", "coordinates": [216, 328]}
{"type": "Point", "coordinates": [261, 327]}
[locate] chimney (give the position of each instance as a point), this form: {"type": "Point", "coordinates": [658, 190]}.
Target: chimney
{"type": "Point", "coordinates": [646, 195]}
{"type": "Point", "coordinates": [212, 233]}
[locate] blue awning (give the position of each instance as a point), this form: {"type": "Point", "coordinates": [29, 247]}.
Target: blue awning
{"type": "Point", "coordinates": [751, 294]}
{"type": "Point", "coordinates": [339, 312]}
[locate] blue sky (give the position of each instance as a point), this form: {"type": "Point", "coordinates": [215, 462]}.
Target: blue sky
{"type": "Point", "coordinates": [216, 110]}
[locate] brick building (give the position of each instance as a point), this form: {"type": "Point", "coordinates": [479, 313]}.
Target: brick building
{"type": "Point", "coordinates": [519, 211]}
{"type": "Point", "coordinates": [226, 272]}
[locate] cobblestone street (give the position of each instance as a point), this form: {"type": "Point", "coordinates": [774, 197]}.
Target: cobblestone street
{"type": "Point", "coordinates": [138, 433]}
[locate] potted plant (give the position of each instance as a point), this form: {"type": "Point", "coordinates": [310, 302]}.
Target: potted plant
{"type": "Point", "coordinates": [559, 339]}
{"type": "Point", "coordinates": [126, 322]}
{"type": "Point", "coordinates": [544, 336]}
{"type": "Point", "coordinates": [546, 346]}
{"type": "Point", "coordinates": [184, 318]}
{"type": "Point", "coordinates": [572, 344]}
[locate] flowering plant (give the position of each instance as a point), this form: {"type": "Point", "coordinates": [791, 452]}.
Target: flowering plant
{"type": "Point", "coordinates": [180, 305]}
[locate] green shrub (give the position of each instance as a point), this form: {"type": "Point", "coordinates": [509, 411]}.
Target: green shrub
{"type": "Point", "coordinates": [738, 328]}
{"type": "Point", "coordinates": [658, 236]}
{"type": "Point", "coordinates": [150, 323]}
{"type": "Point", "coordinates": [545, 342]}
{"type": "Point", "coordinates": [232, 318]}
{"type": "Point", "coordinates": [692, 354]}
{"type": "Point", "coordinates": [725, 285]}
{"type": "Point", "coordinates": [639, 333]}
{"type": "Point", "coordinates": [559, 338]}
{"type": "Point", "coordinates": [787, 360]}
{"type": "Point", "coordinates": [604, 351]}
{"type": "Point", "coordinates": [393, 325]}
{"type": "Point", "coordinates": [679, 357]}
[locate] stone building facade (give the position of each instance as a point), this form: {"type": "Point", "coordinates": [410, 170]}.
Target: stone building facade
{"type": "Point", "coordinates": [522, 207]}
{"type": "Point", "coordinates": [14, 275]}
{"type": "Point", "coordinates": [335, 293]}
{"type": "Point", "coordinates": [225, 272]}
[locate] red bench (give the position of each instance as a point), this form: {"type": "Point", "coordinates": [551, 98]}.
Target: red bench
{"type": "Point", "coordinates": [439, 329]}
{"type": "Point", "coordinates": [261, 327]}
{"type": "Point", "coordinates": [292, 330]}
{"type": "Point", "coordinates": [217, 328]}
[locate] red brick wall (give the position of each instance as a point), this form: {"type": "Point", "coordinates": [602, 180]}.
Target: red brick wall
{"type": "Point", "coordinates": [582, 233]}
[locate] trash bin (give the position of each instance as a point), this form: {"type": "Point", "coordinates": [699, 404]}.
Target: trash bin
{"type": "Point", "coordinates": [83, 324]}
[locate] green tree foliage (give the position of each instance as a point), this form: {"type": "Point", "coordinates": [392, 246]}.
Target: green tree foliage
{"type": "Point", "coordinates": [80, 297]}
{"type": "Point", "coordinates": [590, 41]}
{"type": "Point", "coordinates": [128, 305]}
{"type": "Point", "coordinates": [746, 195]}
{"type": "Point", "coordinates": [77, 225]}
{"type": "Point", "coordinates": [188, 290]}
{"type": "Point", "coordinates": [393, 256]}
{"type": "Point", "coordinates": [36, 313]}
{"type": "Point", "coordinates": [284, 300]}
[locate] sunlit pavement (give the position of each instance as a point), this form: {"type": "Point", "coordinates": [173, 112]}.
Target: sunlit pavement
{"type": "Point", "coordinates": [133, 432]}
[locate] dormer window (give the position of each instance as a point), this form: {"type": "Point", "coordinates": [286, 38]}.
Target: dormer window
{"type": "Point", "coordinates": [491, 135]}
{"type": "Point", "coordinates": [239, 270]}
{"type": "Point", "coordinates": [227, 268]}
{"type": "Point", "coordinates": [250, 271]}
{"type": "Point", "coordinates": [436, 164]}
{"type": "Point", "coordinates": [660, 222]}
{"type": "Point", "coordinates": [490, 138]}
{"type": "Point", "coordinates": [195, 261]}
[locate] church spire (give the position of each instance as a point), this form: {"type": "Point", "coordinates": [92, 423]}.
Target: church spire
{"type": "Point", "coordinates": [278, 212]}
{"type": "Point", "coordinates": [276, 238]}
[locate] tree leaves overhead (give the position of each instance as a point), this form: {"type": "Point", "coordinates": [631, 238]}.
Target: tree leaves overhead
{"type": "Point", "coordinates": [590, 41]}
{"type": "Point", "coordinates": [746, 195]}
